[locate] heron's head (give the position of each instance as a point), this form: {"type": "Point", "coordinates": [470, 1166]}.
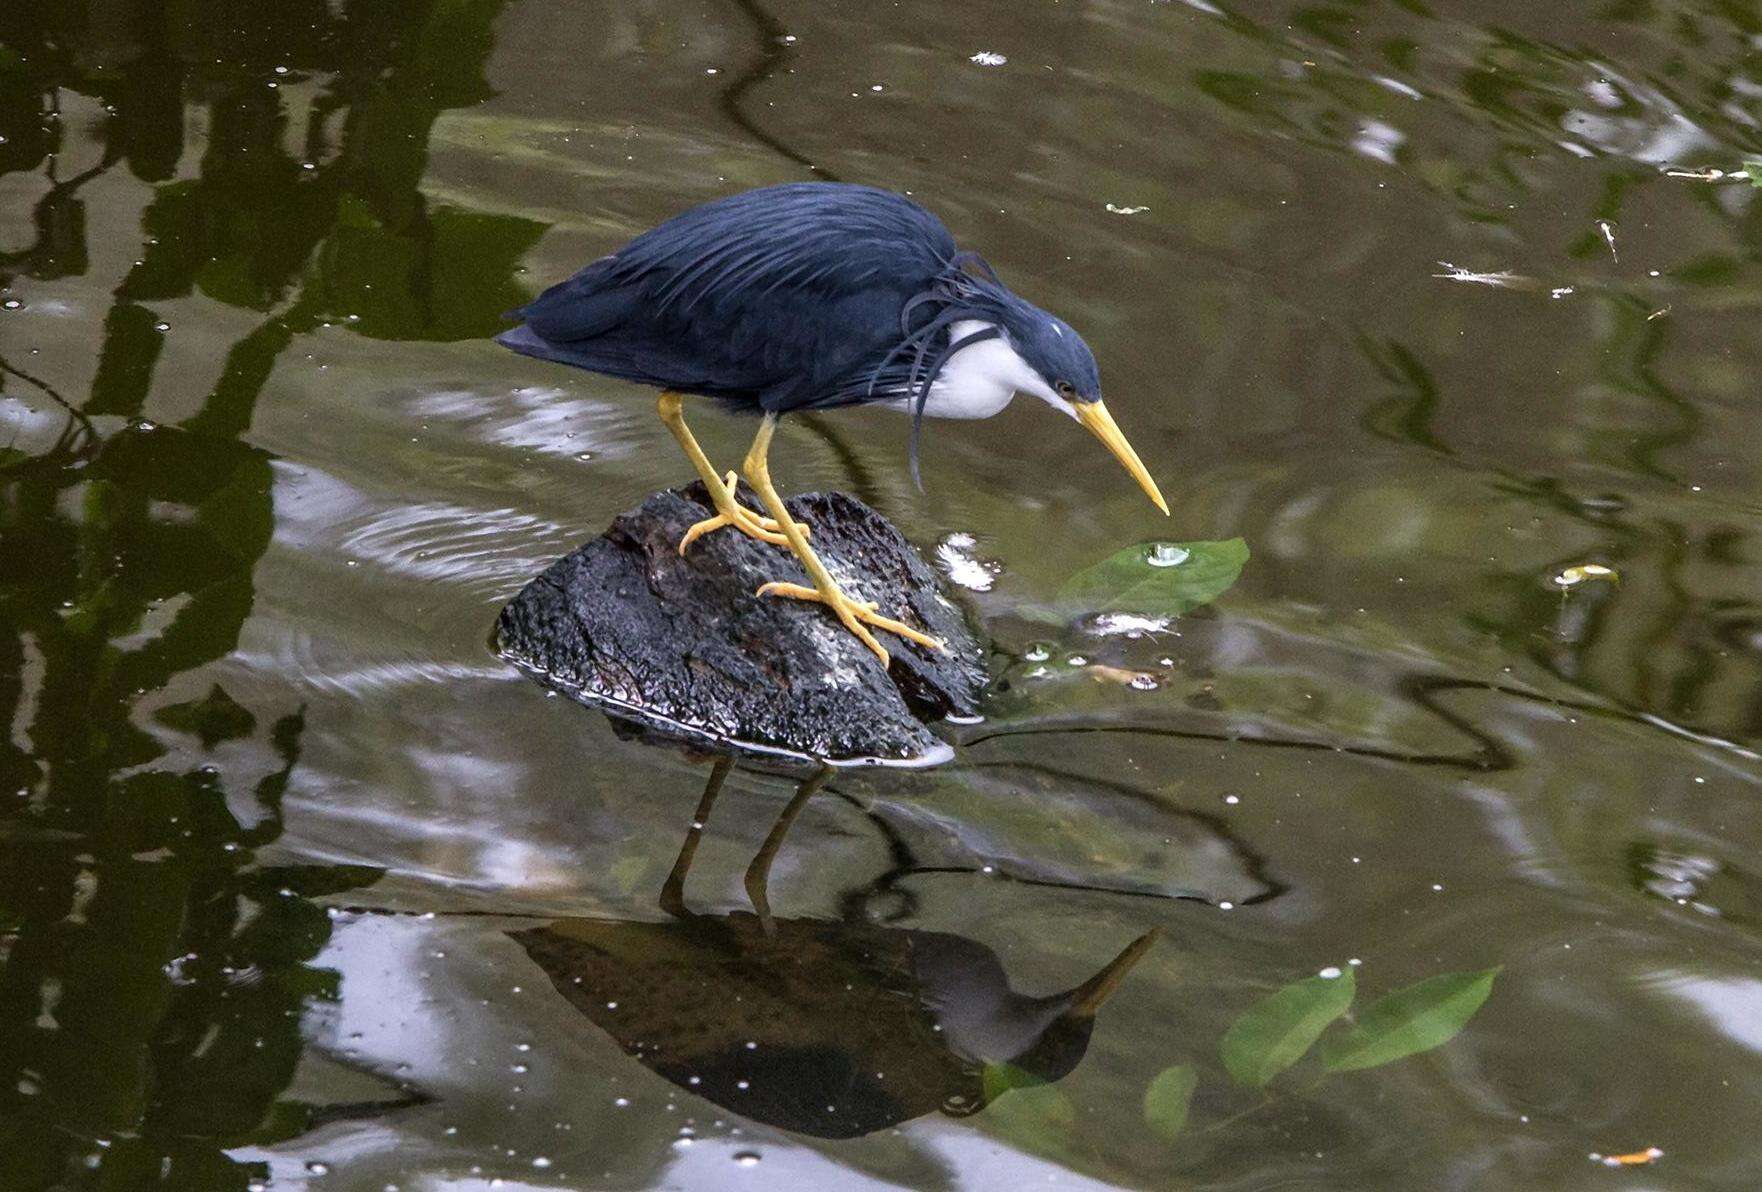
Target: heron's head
{"type": "Point", "coordinates": [1061, 361]}
{"type": "Point", "coordinates": [1064, 375]}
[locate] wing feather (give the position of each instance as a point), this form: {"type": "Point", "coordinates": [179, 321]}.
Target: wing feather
{"type": "Point", "coordinates": [773, 297]}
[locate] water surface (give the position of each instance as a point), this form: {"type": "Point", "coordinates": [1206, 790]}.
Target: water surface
{"type": "Point", "coordinates": [296, 878]}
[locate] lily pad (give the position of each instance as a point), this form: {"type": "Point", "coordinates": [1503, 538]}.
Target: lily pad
{"type": "Point", "coordinates": [1157, 579]}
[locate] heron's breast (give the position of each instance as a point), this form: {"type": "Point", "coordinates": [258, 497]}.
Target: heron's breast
{"type": "Point", "coordinates": [977, 381]}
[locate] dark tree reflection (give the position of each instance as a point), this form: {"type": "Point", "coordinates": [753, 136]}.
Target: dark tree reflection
{"type": "Point", "coordinates": [154, 970]}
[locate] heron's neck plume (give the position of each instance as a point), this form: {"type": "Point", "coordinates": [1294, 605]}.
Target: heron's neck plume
{"type": "Point", "coordinates": [926, 323]}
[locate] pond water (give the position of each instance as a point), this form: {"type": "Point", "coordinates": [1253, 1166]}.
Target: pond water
{"type": "Point", "coordinates": [1429, 303]}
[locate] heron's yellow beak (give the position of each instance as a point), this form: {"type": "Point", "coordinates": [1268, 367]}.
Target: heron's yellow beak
{"type": "Point", "coordinates": [1094, 415]}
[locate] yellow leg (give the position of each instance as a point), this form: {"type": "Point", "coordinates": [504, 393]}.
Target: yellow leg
{"type": "Point", "coordinates": [729, 511]}
{"type": "Point", "coordinates": [758, 874]}
{"type": "Point", "coordinates": [857, 615]}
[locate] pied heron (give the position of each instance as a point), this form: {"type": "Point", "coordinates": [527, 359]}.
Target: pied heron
{"type": "Point", "coordinates": [810, 296]}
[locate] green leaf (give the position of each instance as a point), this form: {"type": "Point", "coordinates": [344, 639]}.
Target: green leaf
{"type": "Point", "coordinates": [1196, 573]}
{"type": "Point", "coordinates": [1276, 1031]}
{"type": "Point", "coordinates": [1027, 1110]}
{"type": "Point", "coordinates": [1753, 171]}
{"type": "Point", "coordinates": [998, 1079]}
{"type": "Point", "coordinates": [1410, 1021]}
{"type": "Point", "coordinates": [1168, 1098]}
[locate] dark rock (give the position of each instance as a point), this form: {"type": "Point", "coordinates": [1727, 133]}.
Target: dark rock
{"type": "Point", "coordinates": [682, 645]}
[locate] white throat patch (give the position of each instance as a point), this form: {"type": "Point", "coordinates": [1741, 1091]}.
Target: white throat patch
{"type": "Point", "coordinates": [980, 379]}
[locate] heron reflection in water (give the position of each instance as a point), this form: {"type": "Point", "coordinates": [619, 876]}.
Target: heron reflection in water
{"type": "Point", "coordinates": [834, 1029]}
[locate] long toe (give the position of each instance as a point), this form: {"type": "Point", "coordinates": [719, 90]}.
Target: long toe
{"type": "Point", "coordinates": [732, 480]}
{"type": "Point", "coordinates": [750, 527]}
{"type": "Point", "coordinates": [852, 623]}
{"type": "Point", "coordinates": [856, 615]}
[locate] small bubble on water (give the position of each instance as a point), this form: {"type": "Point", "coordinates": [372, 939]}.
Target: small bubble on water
{"type": "Point", "coordinates": [1166, 554]}
{"type": "Point", "coordinates": [1076, 660]}
{"type": "Point", "coordinates": [11, 304]}
{"type": "Point", "coordinates": [540, 1161]}
{"type": "Point", "coordinates": [162, 325]}
{"type": "Point", "coordinates": [1232, 800]}
{"type": "Point", "coordinates": [621, 1102]}
{"type": "Point", "coordinates": [1226, 906]}
{"type": "Point", "coordinates": [1144, 682]}
{"type": "Point", "coordinates": [317, 1168]}
{"type": "Point", "coordinates": [747, 1158]}
{"type": "Point", "coordinates": [1332, 972]}
{"type": "Point", "coordinates": [1038, 652]}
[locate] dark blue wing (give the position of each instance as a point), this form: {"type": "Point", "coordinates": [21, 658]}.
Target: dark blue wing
{"type": "Point", "coordinates": [775, 297]}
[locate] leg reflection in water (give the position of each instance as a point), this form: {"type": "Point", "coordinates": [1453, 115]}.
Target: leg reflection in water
{"type": "Point", "coordinates": [830, 1027]}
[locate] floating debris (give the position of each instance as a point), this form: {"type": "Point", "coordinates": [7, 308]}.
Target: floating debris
{"type": "Point", "coordinates": [954, 555]}
{"type": "Point", "coordinates": [1608, 230]}
{"type": "Point", "coordinates": [1501, 278]}
{"type": "Point", "coordinates": [1140, 680]}
{"type": "Point", "coordinates": [1126, 210]}
{"type": "Point", "coordinates": [1584, 571]}
{"type": "Point", "coordinates": [1127, 625]}
{"type": "Point", "coordinates": [1632, 1159]}
{"type": "Point", "coordinates": [1659, 313]}
{"type": "Point", "coordinates": [988, 58]}
{"type": "Point", "coordinates": [1749, 171]}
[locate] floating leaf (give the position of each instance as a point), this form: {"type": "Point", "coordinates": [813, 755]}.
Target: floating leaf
{"type": "Point", "coordinates": [1276, 1031]}
{"type": "Point", "coordinates": [1753, 171]}
{"type": "Point", "coordinates": [1168, 1098]}
{"type": "Point", "coordinates": [998, 1079]}
{"type": "Point", "coordinates": [1163, 578]}
{"type": "Point", "coordinates": [1411, 1020]}
{"type": "Point", "coordinates": [1028, 1110]}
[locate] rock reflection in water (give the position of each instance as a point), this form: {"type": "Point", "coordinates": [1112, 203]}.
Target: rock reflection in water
{"type": "Point", "coordinates": [831, 1028]}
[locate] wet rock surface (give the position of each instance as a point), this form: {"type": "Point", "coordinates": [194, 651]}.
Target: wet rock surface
{"type": "Point", "coordinates": [683, 647]}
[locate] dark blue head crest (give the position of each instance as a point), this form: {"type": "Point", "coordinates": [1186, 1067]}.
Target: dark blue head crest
{"type": "Point", "coordinates": [1053, 349]}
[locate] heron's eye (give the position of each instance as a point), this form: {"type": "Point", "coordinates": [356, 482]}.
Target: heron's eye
{"type": "Point", "coordinates": [1066, 390]}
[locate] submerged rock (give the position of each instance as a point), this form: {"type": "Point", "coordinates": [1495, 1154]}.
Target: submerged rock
{"type": "Point", "coordinates": [683, 647]}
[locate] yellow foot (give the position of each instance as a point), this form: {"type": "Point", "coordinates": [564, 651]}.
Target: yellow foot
{"type": "Point", "coordinates": [737, 515]}
{"type": "Point", "coordinates": [857, 615]}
